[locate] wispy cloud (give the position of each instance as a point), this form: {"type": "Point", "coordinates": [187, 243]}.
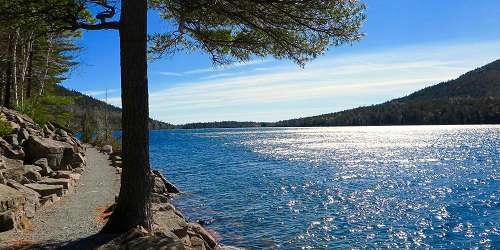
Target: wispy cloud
{"type": "Point", "coordinates": [212, 69]}
{"type": "Point", "coordinates": [326, 85]}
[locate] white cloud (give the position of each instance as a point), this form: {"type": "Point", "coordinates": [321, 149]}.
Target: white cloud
{"type": "Point", "coordinates": [365, 78]}
{"type": "Point", "coordinates": [212, 69]}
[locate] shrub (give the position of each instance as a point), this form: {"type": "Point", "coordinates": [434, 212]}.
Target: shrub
{"type": "Point", "coordinates": [5, 128]}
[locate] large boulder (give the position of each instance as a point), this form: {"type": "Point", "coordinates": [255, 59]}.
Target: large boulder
{"type": "Point", "coordinates": [14, 206]}
{"type": "Point", "coordinates": [32, 198]}
{"type": "Point", "coordinates": [58, 154]}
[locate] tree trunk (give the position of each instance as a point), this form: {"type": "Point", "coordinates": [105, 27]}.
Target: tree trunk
{"type": "Point", "coordinates": [47, 60]}
{"type": "Point", "coordinates": [11, 69]}
{"type": "Point", "coordinates": [133, 207]}
{"type": "Point", "coordinates": [29, 84]}
{"type": "Point", "coordinates": [27, 53]}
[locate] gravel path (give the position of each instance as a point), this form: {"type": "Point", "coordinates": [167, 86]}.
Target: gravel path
{"type": "Point", "coordinates": [75, 215]}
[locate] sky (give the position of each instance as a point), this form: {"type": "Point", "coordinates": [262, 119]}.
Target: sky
{"type": "Point", "coordinates": [408, 45]}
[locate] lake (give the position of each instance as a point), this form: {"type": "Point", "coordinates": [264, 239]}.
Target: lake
{"type": "Point", "coordinates": [338, 187]}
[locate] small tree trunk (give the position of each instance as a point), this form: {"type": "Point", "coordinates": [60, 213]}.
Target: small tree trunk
{"type": "Point", "coordinates": [133, 207]}
{"type": "Point", "coordinates": [11, 69]}
{"type": "Point", "coordinates": [47, 60]}
{"type": "Point", "coordinates": [27, 59]}
{"type": "Point", "coordinates": [29, 84]}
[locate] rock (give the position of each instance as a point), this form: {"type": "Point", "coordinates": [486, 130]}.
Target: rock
{"type": "Point", "coordinates": [119, 170]}
{"type": "Point", "coordinates": [205, 235]}
{"type": "Point", "coordinates": [58, 154]}
{"type": "Point", "coordinates": [79, 170]}
{"type": "Point", "coordinates": [2, 179]}
{"type": "Point", "coordinates": [32, 198]}
{"type": "Point", "coordinates": [159, 198]}
{"type": "Point", "coordinates": [171, 188]}
{"type": "Point", "coordinates": [63, 174]}
{"type": "Point", "coordinates": [15, 127]}
{"type": "Point", "coordinates": [140, 239]}
{"type": "Point", "coordinates": [33, 175]}
{"type": "Point", "coordinates": [44, 165]}
{"type": "Point", "coordinates": [44, 189]}
{"type": "Point", "coordinates": [11, 152]}
{"type": "Point", "coordinates": [12, 139]}
{"type": "Point", "coordinates": [7, 221]}
{"type": "Point", "coordinates": [117, 164]}
{"type": "Point", "coordinates": [116, 158]}
{"type": "Point", "coordinates": [23, 134]}
{"type": "Point", "coordinates": [67, 184]}
{"type": "Point", "coordinates": [49, 199]}
{"type": "Point", "coordinates": [61, 132]}
{"type": "Point", "coordinates": [48, 132]}
{"type": "Point", "coordinates": [159, 186]}
{"type": "Point", "coordinates": [78, 158]}
{"type": "Point", "coordinates": [107, 149]}
{"type": "Point", "coordinates": [50, 126]}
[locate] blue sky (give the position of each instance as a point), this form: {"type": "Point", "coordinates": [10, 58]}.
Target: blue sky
{"type": "Point", "coordinates": [408, 45]}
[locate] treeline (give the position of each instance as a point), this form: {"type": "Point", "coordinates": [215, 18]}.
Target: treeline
{"type": "Point", "coordinates": [222, 124]}
{"type": "Point", "coordinates": [473, 98]}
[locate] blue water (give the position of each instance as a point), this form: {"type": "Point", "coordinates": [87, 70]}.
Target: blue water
{"type": "Point", "coordinates": [324, 188]}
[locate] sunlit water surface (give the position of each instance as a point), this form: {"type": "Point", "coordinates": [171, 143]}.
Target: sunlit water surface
{"type": "Point", "coordinates": [314, 188]}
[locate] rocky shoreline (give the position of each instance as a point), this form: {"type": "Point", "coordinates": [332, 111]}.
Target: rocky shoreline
{"type": "Point", "coordinates": [172, 229]}
{"type": "Point", "coordinates": [40, 165]}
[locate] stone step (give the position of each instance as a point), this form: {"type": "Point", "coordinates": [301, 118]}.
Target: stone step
{"type": "Point", "coordinates": [68, 184]}
{"type": "Point", "coordinates": [45, 190]}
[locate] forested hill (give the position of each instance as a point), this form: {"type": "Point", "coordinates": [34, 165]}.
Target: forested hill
{"type": "Point", "coordinates": [98, 110]}
{"type": "Point", "coordinates": [473, 98]}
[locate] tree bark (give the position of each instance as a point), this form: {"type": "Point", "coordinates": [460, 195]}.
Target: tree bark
{"type": "Point", "coordinates": [29, 84]}
{"type": "Point", "coordinates": [11, 69]}
{"type": "Point", "coordinates": [133, 207]}
{"type": "Point", "coordinates": [47, 60]}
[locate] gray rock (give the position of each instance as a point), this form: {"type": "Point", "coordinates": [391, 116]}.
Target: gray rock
{"type": "Point", "coordinates": [58, 154]}
{"type": "Point", "coordinates": [67, 184]}
{"type": "Point", "coordinates": [44, 189]}
{"type": "Point", "coordinates": [107, 149]}
{"type": "Point", "coordinates": [12, 139]}
{"type": "Point", "coordinates": [32, 198]}
{"type": "Point", "coordinates": [171, 188]}
{"type": "Point", "coordinates": [23, 134]}
{"type": "Point", "coordinates": [159, 186]}
{"type": "Point", "coordinates": [33, 175]}
{"type": "Point", "coordinates": [11, 152]}
{"type": "Point", "coordinates": [44, 165]}
{"type": "Point", "coordinates": [205, 235]}
{"type": "Point", "coordinates": [61, 132]}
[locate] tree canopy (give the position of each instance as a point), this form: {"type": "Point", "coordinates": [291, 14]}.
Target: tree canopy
{"type": "Point", "coordinates": [236, 30]}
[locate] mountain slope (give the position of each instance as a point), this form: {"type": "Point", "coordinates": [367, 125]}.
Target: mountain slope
{"type": "Point", "coordinates": [99, 110]}
{"type": "Point", "coordinates": [473, 98]}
